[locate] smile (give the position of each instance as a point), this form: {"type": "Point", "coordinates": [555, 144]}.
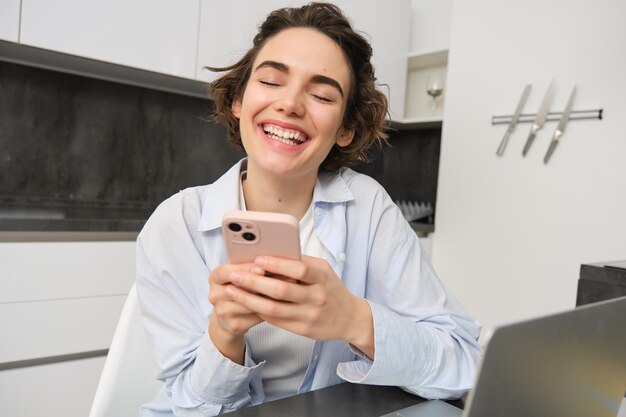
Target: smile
{"type": "Point", "coordinates": [289, 137]}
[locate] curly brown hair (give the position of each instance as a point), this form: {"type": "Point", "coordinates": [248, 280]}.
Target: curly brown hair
{"type": "Point", "coordinates": [366, 106]}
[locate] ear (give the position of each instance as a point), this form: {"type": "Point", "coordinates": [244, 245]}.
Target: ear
{"type": "Point", "coordinates": [345, 137]}
{"type": "Point", "coordinates": [236, 108]}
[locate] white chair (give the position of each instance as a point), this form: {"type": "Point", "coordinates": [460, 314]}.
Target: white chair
{"type": "Point", "coordinates": [128, 378]}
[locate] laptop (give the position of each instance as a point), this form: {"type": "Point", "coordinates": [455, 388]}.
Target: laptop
{"type": "Point", "coordinates": [568, 364]}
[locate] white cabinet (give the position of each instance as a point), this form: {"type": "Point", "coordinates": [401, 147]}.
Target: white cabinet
{"type": "Point", "coordinates": [227, 29]}
{"type": "Point", "coordinates": [61, 389]}
{"type": "Point", "coordinates": [181, 38]}
{"type": "Point", "coordinates": [428, 59]}
{"type": "Point", "coordinates": [59, 300]}
{"type": "Point", "coordinates": [45, 329]}
{"type": "Point", "coordinates": [9, 20]}
{"type": "Point", "coordinates": [430, 25]}
{"type": "Point", "coordinates": [155, 35]}
{"type": "Point", "coordinates": [387, 25]}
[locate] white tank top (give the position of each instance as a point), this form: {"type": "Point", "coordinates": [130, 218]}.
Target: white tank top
{"type": "Point", "coordinates": [287, 354]}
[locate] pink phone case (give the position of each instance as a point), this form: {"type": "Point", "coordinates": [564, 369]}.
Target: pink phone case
{"type": "Point", "coordinates": [249, 234]}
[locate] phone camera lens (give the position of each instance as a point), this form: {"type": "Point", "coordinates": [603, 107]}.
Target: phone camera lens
{"type": "Point", "coordinates": [249, 236]}
{"type": "Point", "coordinates": [235, 227]}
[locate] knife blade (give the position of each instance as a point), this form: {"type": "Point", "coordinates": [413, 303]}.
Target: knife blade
{"type": "Point", "coordinates": [560, 129]}
{"type": "Point", "coordinates": [540, 118]}
{"type": "Point", "coordinates": [513, 122]}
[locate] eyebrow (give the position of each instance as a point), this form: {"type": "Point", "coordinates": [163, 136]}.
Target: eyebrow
{"type": "Point", "coordinates": [318, 78]}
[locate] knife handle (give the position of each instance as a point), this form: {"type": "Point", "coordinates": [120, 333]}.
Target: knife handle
{"type": "Point", "coordinates": [529, 142]}
{"type": "Point", "coordinates": [551, 149]}
{"type": "Point", "coordinates": [503, 143]}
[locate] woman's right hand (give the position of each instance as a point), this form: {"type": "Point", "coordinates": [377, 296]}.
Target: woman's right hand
{"type": "Point", "coordinates": [229, 320]}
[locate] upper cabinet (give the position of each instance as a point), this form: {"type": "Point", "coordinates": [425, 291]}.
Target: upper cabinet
{"type": "Point", "coordinates": [9, 20]}
{"type": "Point", "coordinates": [181, 38]}
{"type": "Point", "coordinates": [155, 35]}
{"type": "Point", "coordinates": [227, 29]}
{"type": "Point", "coordinates": [430, 26]}
{"type": "Point", "coordinates": [385, 24]}
{"type": "Point", "coordinates": [427, 62]}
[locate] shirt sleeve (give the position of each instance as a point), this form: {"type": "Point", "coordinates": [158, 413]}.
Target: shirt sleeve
{"type": "Point", "coordinates": [424, 341]}
{"type": "Point", "coordinates": [172, 286]}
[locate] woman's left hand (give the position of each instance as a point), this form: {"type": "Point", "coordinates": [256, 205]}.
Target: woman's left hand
{"type": "Point", "coordinates": [305, 297]}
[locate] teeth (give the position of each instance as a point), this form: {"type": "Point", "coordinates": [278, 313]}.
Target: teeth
{"type": "Point", "coordinates": [290, 138]}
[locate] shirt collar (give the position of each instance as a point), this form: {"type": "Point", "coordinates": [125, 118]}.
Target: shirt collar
{"type": "Point", "coordinates": [331, 188]}
{"type": "Point", "coordinates": [223, 195]}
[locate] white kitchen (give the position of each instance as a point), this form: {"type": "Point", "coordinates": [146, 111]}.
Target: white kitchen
{"type": "Point", "coordinates": [508, 232]}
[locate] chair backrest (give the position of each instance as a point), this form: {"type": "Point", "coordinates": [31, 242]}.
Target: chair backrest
{"type": "Point", "coordinates": [128, 379]}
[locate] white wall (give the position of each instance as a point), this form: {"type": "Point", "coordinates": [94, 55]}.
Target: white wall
{"type": "Point", "coordinates": [511, 231]}
{"type": "Point", "coordinates": [430, 25]}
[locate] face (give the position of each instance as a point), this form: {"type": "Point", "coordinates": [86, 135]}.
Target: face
{"type": "Point", "coordinates": [292, 109]}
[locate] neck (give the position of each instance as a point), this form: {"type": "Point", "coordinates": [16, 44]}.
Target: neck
{"type": "Point", "coordinates": [278, 194]}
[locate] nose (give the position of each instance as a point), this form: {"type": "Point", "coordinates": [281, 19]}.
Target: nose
{"type": "Point", "coordinates": [291, 102]}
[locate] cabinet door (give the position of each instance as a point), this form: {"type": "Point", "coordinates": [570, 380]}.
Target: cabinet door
{"type": "Point", "coordinates": [59, 298]}
{"type": "Point", "coordinates": [9, 20]}
{"type": "Point", "coordinates": [43, 329]}
{"type": "Point", "coordinates": [387, 25]}
{"type": "Point", "coordinates": [227, 29]}
{"type": "Point", "coordinates": [60, 389]}
{"type": "Point", "coordinates": [156, 35]}
{"type": "Point", "coordinates": [430, 25]}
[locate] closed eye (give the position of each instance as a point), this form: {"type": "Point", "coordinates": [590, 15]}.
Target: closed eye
{"type": "Point", "coordinates": [322, 98]}
{"type": "Point", "coordinates": [268, 83]}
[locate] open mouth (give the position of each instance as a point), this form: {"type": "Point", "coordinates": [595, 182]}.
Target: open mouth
{"type": "Point", "coordinates": [287, 136]}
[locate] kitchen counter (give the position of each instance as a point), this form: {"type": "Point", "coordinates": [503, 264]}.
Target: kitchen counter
{"type": "Point", "coordinates": [72, 219]}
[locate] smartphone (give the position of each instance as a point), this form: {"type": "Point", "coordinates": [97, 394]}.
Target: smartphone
{"type": "Point", "coordinates": [248, 234]}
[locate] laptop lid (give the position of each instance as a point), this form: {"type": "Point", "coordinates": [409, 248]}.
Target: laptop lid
{"type": "Point", "coordinates": [568, 364]}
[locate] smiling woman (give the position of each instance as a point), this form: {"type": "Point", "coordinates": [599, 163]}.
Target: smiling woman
{"type": "Point", "coordinates": [365, 105]}
{"type": "Point", "coordinates": [361, 305]}
{"type": "Point", "coordinates": [296, 87]}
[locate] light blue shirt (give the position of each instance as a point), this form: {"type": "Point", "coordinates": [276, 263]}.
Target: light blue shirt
{"type": "Point", "coordinates": [424, 341]}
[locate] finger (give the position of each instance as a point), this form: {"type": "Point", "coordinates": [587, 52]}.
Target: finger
{"type": "Point", "coordinates": [221, 274]}
{"type": "Point", "coordinates": [294, 269]}
{"type": "Point", "coordinates": [263, 306]}
{"type": "Point", "coordinates": [227, 305]}
{"type": "Point", "coordinates": [276, 287]}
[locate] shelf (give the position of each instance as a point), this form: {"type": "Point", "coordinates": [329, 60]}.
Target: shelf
{"type": "Point", "coordinates": [419, 106]}
{"type": "Point", "coordinates": [416, 123]}
{"type": "Point", "coordinates": [423, 60]}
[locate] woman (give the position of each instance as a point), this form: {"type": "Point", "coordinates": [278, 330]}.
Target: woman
{"type": "Point", "coordinates": [363, 305]}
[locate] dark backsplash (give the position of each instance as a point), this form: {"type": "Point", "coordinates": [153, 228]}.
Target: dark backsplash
{"type": "Point", "coordinates": [78, 153]}
{"type": "Point", "coordinates": [69, 142]}
{"type": "Point", "coordinates": [408, 167]}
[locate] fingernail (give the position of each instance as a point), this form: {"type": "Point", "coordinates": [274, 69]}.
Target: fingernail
{"type": "Point", "coordinates": [257, 270]}
{"type": "Point", "coordinates": [236, 277]}
{"type": "Point", "coordinates": [261, 261]}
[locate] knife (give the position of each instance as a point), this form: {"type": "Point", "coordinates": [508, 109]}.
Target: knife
{"type": "Point", "coordinates": [560, 129]}
{"type": "Point", "coordinates": [513, 122]}
{"type": "Point", "coordinates": [540, 118]}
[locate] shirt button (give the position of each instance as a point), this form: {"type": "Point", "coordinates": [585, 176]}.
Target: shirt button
{"type": "Point", "coordinates": [318, 211]}
{"type": "Point", "coordinates": [342, 257]}
{"type": "Point", "coordinates": [315, 358]}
